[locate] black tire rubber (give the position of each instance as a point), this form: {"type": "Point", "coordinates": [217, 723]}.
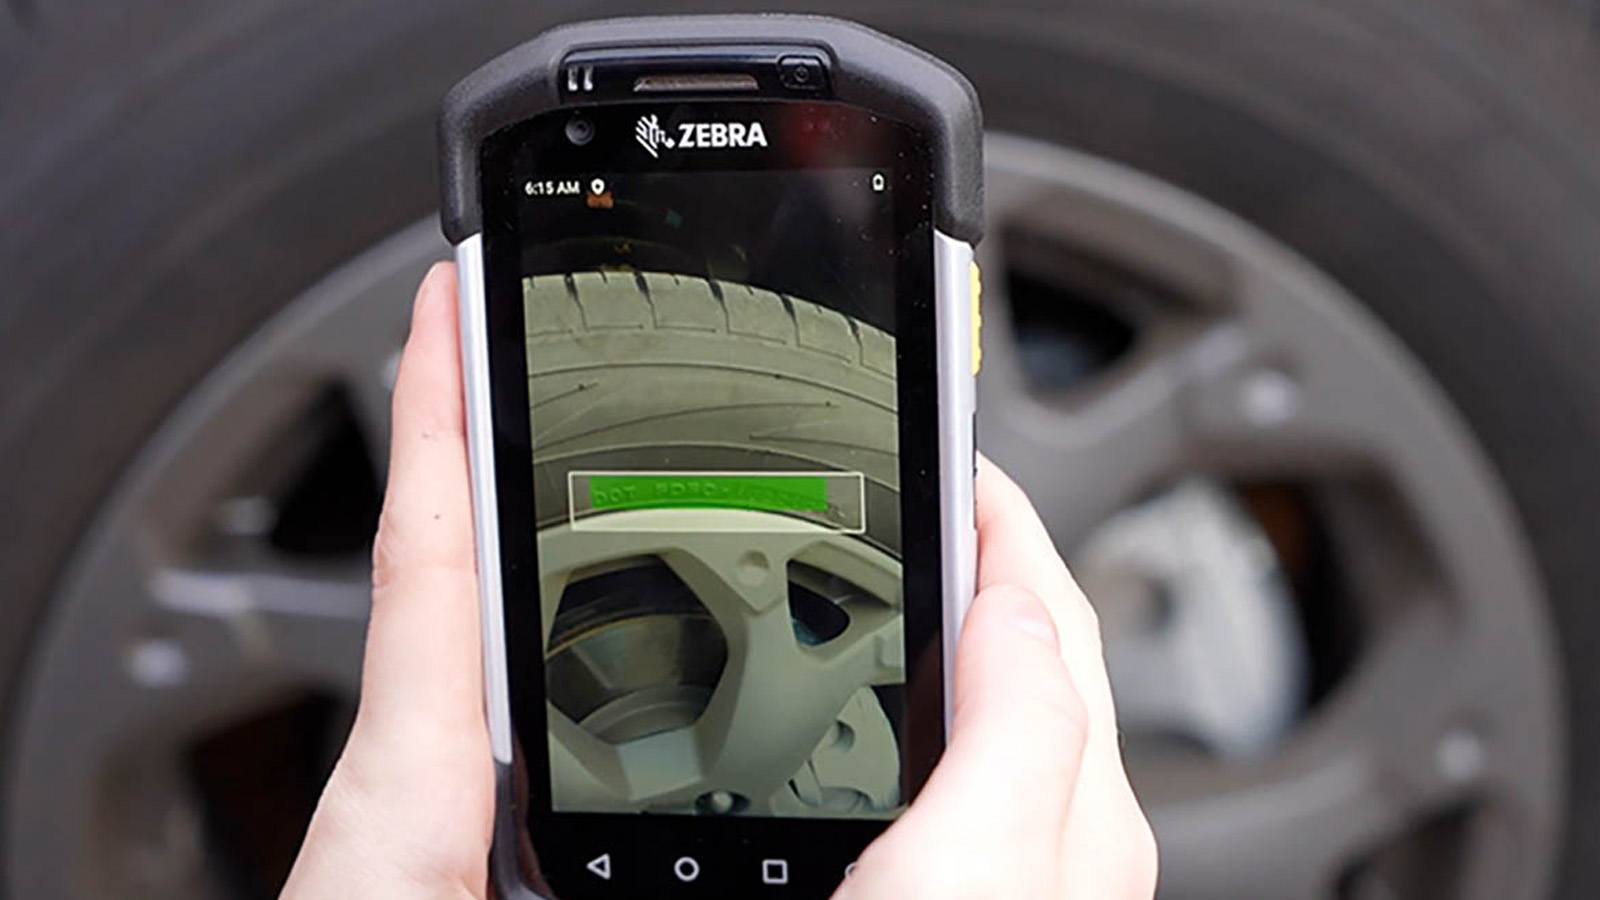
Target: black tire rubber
{"type": "Point", "coordinates": [173, 174]}
{"type": "Point", "coordinates": [718, 376]}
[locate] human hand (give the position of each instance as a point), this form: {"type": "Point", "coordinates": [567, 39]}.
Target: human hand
{"type": "Point", "coordinates": [408, 810]}
{"type": "Point", "coordinates": [1030, 800]}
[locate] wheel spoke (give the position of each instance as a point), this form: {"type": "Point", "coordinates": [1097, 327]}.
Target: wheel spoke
{"type": "Point", "coordinates": [1287, 829]}
{"type": "Point", "coordinates": [588, 772]}
{"type": "Point", "coordinates": [775, 700]}
{"type": "Point", "coordinates": [1089, 449]}
{"type": "Point", "coordinates": [269, 625]}
{"type": "Point", "coordinates": [1283, 402]}
{"type": "Point", "coordinates": [1086, 455]}
{"type": "Point", "coordinates": [193, 652]}
{"type": "Point", "coordinates": [1295, 822]}
{"type": "Point", "coordinates": [1230, 379]}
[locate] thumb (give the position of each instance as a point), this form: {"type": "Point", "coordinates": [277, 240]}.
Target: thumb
{"type": "Point", "coordinates": [409, 809]}
{"type": "Point", "coordinates": [422, 665]}
{"type": "Point", "coordinates": [994, 812]}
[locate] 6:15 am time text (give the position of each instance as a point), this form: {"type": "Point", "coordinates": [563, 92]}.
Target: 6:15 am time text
{"type": "Point", "coordinates": [551, 188]}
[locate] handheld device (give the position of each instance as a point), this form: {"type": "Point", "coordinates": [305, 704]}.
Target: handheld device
{"type": "Point", "coordinates": [718, 314]}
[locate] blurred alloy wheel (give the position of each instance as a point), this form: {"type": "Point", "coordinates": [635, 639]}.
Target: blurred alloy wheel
{"type": "Point", "coordinates": [1435, 700]}
{"type": "Point", "coordinates": [204, 608]}
{"type": "Point", "coordinates": [1333, 488]}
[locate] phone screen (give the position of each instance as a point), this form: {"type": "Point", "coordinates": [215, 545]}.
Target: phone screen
{"type": "Point", "coordinates": [712, 357]}
{"type": "Point", "coordinates": [717, 620]}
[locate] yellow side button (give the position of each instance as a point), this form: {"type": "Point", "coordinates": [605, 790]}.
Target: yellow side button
{"type": "Point", "coordinates": [977, 319]}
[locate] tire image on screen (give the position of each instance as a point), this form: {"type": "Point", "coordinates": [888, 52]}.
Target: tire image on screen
{"type": "Point", "coordinates": [754, 648]}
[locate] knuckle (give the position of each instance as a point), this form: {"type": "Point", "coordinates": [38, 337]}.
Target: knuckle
{"type": "Point", "coordinates": [384, 557]}
{"type": "Point", "coordinates": [403, 551]}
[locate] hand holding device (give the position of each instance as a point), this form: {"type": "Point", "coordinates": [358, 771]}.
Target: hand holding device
{"type": "Point", "coordinates": [408, 811]}
{"type": "Point", "coordinates": [718, 340]}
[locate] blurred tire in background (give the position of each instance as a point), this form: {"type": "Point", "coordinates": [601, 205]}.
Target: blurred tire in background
{"type": "Point", "coordinates": [1291, 314]}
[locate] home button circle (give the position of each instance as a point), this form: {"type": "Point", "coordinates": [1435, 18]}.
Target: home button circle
{"type": "Point", "coordinates": [686, 869]}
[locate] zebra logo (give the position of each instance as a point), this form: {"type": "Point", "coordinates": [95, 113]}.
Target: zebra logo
{"type": "Point", "coordinates": [651, 136]}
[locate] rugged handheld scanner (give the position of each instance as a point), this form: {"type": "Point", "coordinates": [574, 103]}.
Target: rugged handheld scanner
{"type": "Point", "coordinates": [718, 322]}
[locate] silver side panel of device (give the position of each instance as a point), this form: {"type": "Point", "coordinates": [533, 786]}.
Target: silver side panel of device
{"type": "Point", "coordinates": [485, 509]}
{"type": "Point", "coordinates": [952, 263]}
{"type": "Point", "coordinates": [504, 872]}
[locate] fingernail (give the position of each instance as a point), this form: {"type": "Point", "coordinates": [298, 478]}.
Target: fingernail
{"type": "Point", "coordinates": [432, 294]}
{"type": "Point", "coordinates": [438, 278]}
{"type": "Point", "coordinates": [1027, 613]}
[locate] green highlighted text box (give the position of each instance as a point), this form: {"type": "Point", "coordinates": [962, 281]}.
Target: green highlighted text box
{"type": "Point", "coordinates": [766, 493]}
